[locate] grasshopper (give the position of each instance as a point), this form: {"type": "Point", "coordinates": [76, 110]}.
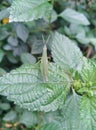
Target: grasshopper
{"type": "Point", "coordinates": [44, 62]}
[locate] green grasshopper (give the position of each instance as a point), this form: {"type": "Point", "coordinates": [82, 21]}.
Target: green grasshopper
{"type": "Point", "coordinates": [44, 62]}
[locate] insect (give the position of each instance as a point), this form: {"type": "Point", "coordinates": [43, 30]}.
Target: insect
{"type": "Point", "coordinates": [44, 62]}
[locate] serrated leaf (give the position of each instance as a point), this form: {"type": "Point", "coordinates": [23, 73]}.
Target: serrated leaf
{"type": "Point", "coordinates": [65, 52]}
{"type": "Point", "coordinates": [75, 17]}
{"type": "Point", "coordinates": [88, 113]}
{"type": "Point", "coordinates": [88, 72]}
{"type": "Point", "coordinates": [51, 126]}
{"type": "Point", "coordinates": [22, 10]}
{"type": "Point", "coordinates": [71, 113]}
{"type": "Point", "coordinates": [26, 88]}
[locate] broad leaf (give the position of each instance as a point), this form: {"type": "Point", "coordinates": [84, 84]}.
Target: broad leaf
{"type": "Point", "coordinates": [4, 14]}
{"type": "Point", "coordinates": [88, 113]}
{"type": "Point", "coordinates": [75, 17]}
{"type": "Point", "coordinates": [5, 106]}
{"type": "Point", "coordinates": [29, 10]}
{"type": "Point", "coordinates": [3, 33]}
{"type": "Point", "coordinates": [52, 117]}
{"type": "Point", "coordinates": [51, 126]}
{"type": "Point", "coordinates": [71, 113]}
{"type": "Point", "coordinates": [65, 52]}
{"type": "Point", "coordinates": [26, 88]}
{"type": "Point", "coordinates": [54, 16]}
{"type": "Point", "coordinates": [82, 38]}
{"type": "Point", "coordinates": [10, 116]}
{"type": "Point", "coordinates": [88, 73]}
{"type": "Point", "coordinates": [93, 41]}
{"type": "Point", "coordinates": [13, 41]}
{"type": "Point", "coordinates": [28, 58]}
{"type": "Point", "coordinates": [29, 119]}
{"type": "Point", "coordinates": [22, 32]}
{"type": "Point", "coordinates": [76, 29]}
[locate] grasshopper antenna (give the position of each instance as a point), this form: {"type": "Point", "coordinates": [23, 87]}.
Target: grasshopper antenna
{"type": "Point", "coordinates": [45, 42]}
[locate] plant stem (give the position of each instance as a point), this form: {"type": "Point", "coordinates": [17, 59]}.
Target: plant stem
{"type": "Point", "coordinates": [76, 4]}
{"type": "Point", "coordinates": [52, 3]}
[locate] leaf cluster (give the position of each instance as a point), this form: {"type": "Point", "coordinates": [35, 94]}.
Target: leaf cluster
{"type": "Point", "coordinates": [67, 99]}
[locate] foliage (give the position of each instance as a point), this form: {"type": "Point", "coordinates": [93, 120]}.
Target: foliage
{"type": "Point", "coordinates": [55, 94]}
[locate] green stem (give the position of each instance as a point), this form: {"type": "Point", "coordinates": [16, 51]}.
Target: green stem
{"type": "Point", "coordinates": [52, 3]}
{"type": "Point", "coordinates": [76, 4]}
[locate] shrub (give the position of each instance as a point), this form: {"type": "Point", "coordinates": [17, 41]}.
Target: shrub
{"type": "Point", "coordinates": [59, 93]}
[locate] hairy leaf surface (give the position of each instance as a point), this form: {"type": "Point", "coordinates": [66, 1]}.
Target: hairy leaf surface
{"type": "Point", "coordinates": [51, 126]}
{"type": "Point", "coordinates": [88, 113]}
{"type": "Point", "coordinates": [26, 88]}
{"type": "Point", "coordinates": [65, 52]}
{"type": "Point", "coordinates": [29, 10]}
{"type": "Point", "coordinates": [88, 73]}
{"type": "Point", "coordinates": [71, 113]}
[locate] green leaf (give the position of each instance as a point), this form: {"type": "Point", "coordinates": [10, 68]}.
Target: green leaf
{"type": "Point", "coordinates": [29, 119]}
{"type": "Point", "coordinates": [65, 52]}
{"type": "Point", "coordinates": [22, 32]}
{"type": "Point", "coordinates": [36, 44]}
{"type": "Point", "coordinates": [10, 116]}
{"type": "Point", "coordinates": [75, 17]}
{"type": "Point", "coordinates": [2, 72]}
{"type": "Point", "coordinates": [51, 117]}
{"type": "Point", "coordinates": [53, 17]}
{"type": "Point", "coordinates": [22, 10]}
{"type": "Point", "coordinates": [93, 41]}
{"type": "Point", "coordinates": [25, 87]}
{"type": "Point", "coordinates": [82, 39]}
{"type": "Point", "coordinates": [1, 55]}
{"type": "Point", "coordinates": [13, 41]}
{"type": "Point", "coordinates": [88, 72]}
{"type": "Point", "coordinates": [4, 106]}
{"type": "Point", "coordinates": [3, 33]}
{"type": "Point", "coordinates": [51, 126]}
{"type": "Point", "coordinates": [88, 113]}
{"type": "Point", "coordinates": [4, 14]}
{"type": "Point", "coordinates": [76, 29]}
{"type": "Point", "coordinates": [67, 31]}
{"type": "Point", "coordinates": [71, 113]}
{"type": "Point", "coordinates": [28, 58]}
{"type": "Point", "coordinates": [12, 58]}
